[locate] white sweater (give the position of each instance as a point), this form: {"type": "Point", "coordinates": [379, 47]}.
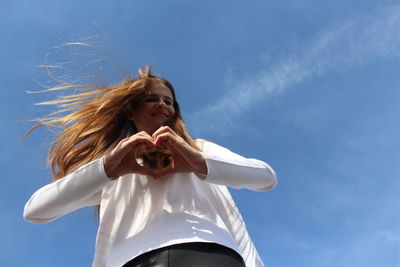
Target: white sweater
{"type": "Point", "coordinates": [139, 214]}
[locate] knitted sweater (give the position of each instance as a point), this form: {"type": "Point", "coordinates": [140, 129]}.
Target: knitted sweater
{"type": "Point", "coordinates": [139, 214]}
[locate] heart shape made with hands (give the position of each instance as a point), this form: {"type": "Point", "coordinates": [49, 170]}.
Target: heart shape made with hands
{"type": "Point", "coordinates": [154, 160]}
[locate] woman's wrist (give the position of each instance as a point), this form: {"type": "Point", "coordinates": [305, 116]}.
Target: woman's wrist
{"type": "Point", "coordinates": [108, 169]}
{"type": "Point", "coordinates": [200, 166]}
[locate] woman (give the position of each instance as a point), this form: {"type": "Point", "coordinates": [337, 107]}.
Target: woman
{"type": "Point", "coordinates": [162, 196]}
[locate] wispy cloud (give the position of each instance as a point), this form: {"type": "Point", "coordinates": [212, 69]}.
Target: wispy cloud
{"type": "Point", "coordinates": [346, 45]}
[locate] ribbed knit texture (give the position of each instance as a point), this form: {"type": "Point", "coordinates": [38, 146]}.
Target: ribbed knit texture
{"type": "Point", "coordinates": [139, 214]}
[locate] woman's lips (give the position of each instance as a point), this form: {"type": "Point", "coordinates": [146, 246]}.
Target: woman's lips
{"type": "Point", "coordinates": [159, 114]}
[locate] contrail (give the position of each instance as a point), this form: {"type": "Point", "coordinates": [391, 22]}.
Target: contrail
{"type": "Point", "coordinates": [350, 44]}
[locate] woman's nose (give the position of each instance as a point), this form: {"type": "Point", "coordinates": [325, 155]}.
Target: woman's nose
{"type": "Point", "coordinates": [161, 103]}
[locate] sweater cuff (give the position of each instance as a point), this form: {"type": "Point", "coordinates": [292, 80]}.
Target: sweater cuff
{"type": "Point", "coordinates": [95, 170]}
{"type": "Point", "coordinates": [212, 169]}
{"type": "Point", "coordinates": [239, 173]}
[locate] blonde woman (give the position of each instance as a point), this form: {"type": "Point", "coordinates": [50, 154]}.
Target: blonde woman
{"type": "Point", "coordinates": [162, 196]}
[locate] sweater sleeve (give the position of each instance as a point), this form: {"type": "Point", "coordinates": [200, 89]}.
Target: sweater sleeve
{"type": "Point", "coordinates": [78, 189]}
{"type": "Point", "coordinates": [230, 169]}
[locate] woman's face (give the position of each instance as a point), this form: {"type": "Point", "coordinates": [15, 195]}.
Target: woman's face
{"type": "Point", "coordinates": [154, 110]}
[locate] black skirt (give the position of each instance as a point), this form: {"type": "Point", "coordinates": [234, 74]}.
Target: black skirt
{"type": "Point", "coordinates": [196, 254]}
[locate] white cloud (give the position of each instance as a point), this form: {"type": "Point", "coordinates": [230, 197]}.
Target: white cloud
{"type": "Point", "coordinates": [343, 46]}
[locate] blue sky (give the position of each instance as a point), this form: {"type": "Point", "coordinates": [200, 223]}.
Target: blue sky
{"type": "Point", "coordinates": [311, 87]}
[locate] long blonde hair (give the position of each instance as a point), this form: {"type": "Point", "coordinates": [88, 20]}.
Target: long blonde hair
{"type": "Point", "coordinates": [97, 118]}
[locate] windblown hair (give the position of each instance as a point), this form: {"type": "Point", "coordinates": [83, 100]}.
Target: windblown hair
{"type": "Point", "coordinates": [97, 118]}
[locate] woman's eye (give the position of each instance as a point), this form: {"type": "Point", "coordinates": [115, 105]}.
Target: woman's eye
{"type": "Point", "coordinates": [151, 99]}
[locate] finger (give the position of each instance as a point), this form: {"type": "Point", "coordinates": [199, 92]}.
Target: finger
{"type": "Point", "coordinates": [167, 139]}
{"type": "Point", "coordinates": [163, 129]}
{"type": "Point", "coordinates": [145, 171]}
{"type": "Point", "coordinates": [143, 133]}
{"type": "Point", "coordinates": [163, 172]}
{"type": "Point", "coordinates": [140, 135]}
{"type": "Point", "coordinates": [139, 169]}
{"type": "Point", "coordinates": [133, 143]}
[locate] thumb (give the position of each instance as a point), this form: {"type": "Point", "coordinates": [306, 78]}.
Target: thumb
{"type": "Point", "coordinates": [163, 172]}
{"type": "Point", "coordinates": [145, 171]}
{"type": "Point", "coordinates": [139, 169]}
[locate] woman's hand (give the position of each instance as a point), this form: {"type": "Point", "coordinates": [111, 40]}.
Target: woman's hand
{"type": "Point", "coordinates": [122, 159]}
{"type": "Point", "coordinates": [184, 159]}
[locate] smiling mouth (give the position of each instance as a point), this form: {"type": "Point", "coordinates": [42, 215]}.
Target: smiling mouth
{"type": "Point", "coordinates": [159, 114]}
